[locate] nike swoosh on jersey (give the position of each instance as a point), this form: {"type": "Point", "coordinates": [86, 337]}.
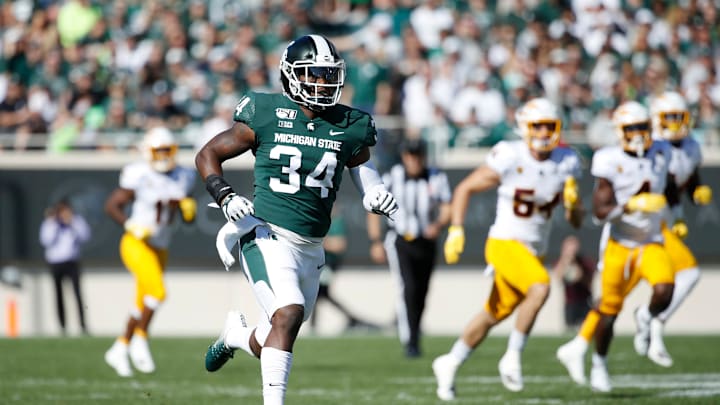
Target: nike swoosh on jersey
{"type": "Point", "coordinates": [333, 133]}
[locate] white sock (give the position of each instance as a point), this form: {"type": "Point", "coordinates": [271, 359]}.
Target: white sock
{"type": "Point", "coordinates": [599, 361]}
{"type": "Point", "coordinates": [275, 365]}
{"type": "Point", "coordinates": [517, 340]}
{"type": "Point", "coordinates": [684, 283]}
{"type": "Point", "coordinates": [460, 351]}
{"type": "Point", "coordinates": [644, 314]}
{"type": "Point", "coordinates": [580, 342]}
{"type": "Point", "coordinates": [239, 338]}
{"type": "Point", "coordinates": [656, 330]}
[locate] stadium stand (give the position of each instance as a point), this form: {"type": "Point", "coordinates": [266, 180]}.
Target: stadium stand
{"type": "Point", "coordinates": [90, 74]}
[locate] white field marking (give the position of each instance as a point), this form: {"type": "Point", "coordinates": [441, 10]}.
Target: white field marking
{"type": "Point", "coordinates": [691, 393]}
{"type": "Point", "coordinates": [619, 380]}
{"type": "Point", "coordinates": [177, 389]}
{"type": "Point", "coordinates": [695, 385]}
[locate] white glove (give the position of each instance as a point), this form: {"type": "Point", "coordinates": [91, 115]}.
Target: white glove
{"type": "Point", "coordinates": [236, 207]}
{"type": "Point", "coordinates": [380, 201]}
{"type": "Point", "coordinates": [229, 235]}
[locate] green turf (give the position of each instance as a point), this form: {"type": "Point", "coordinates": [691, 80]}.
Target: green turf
{"type": "Point", "coordinates": [347, 370]}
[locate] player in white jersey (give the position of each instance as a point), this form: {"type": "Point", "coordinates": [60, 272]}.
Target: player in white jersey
{"type": "Point", "coordinates": [533, 175]}
{"type": "Point", "coordinates": [671, 122]}
{"type": "Point", "coordinates": [631, 190]}
{"type": "Point", "coordinates": [158, 192]}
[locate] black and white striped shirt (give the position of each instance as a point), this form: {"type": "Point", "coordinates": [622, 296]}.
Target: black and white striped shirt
{"type": "Point", "coordinates": [418, 199]}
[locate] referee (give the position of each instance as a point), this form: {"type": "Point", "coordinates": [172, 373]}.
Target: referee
{"type": "Point", "coordinates": [410, 245]}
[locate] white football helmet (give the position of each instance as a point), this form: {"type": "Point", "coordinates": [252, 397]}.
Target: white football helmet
{"type": "Point", "coordinates": [632, 126]}
{"type": "Point", "coordinates": [670, 116]}
{"type": "Point", "coordinates": [539, 124]}
{"type": "Point", "coordinates": [159, 149]}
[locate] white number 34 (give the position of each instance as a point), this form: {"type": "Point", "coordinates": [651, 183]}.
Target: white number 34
{"type": "Point", "coordinates": [326, 165]}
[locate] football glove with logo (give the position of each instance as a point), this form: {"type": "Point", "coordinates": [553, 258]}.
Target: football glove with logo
{"type": "Point", "coordinates": [647, 202]}
{"type": "Point", "coordinates": [702, 195]}
{"type": "Point", "coordinates": [380, 201]}
{"type": "Point", "coordinates": [236, 207]}
{"type": "Point", "coordinates": [454, 244]}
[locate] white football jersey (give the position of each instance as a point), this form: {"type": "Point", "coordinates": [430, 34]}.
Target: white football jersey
{"type": "Point", "coordinates": [156, 197]}
{"type": "Point", "coordinates": [630, 175]}
{"type": "Point", "coordinates": [529, 191]}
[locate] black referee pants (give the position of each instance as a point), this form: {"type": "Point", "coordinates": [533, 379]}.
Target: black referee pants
{"type": "Point", "coordinates": [416, 260]}
{"type": "Point", "coordinates": [70, 270]}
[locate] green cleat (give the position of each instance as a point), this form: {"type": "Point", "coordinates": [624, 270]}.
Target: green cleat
{"type": "Point", "coordinates": [219, 353]}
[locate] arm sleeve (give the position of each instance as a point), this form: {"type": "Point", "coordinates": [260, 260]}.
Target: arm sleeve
{"type": "Point", "coordinates": [365, 177]}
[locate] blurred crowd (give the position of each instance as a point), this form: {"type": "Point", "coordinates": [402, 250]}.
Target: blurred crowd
{"type": "Point", "coordinates": [91, 73]}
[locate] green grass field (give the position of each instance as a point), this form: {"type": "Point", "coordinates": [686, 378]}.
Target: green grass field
{"type": "Point", "coordinates": [347, 370]}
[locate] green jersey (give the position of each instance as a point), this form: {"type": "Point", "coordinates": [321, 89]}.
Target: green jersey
{"type": "Point", "coordinates": [299, 162]}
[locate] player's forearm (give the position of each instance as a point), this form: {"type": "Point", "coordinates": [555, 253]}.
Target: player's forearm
{"type": "Point", "coordinates": [444, 215]}
{"type": "Point", "coordinates": [228, 144]}
{"type": "Point", "coordinates": [208, 163]}
{"type": "Point", "coordinates": [575, 216]}
{"type": "Point", "coordinates": [374, 228]}
{"type": "Point", "coordinates": [460, 201]}
{"type": "Point", "coordinates": [115, 207]}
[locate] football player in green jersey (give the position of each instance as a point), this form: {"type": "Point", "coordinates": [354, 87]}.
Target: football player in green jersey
{"type": "Point", "coordinates": [302, 140]}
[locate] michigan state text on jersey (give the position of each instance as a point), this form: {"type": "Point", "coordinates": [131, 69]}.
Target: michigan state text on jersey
{"type": "Point", "coordinates": [299, 161]}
